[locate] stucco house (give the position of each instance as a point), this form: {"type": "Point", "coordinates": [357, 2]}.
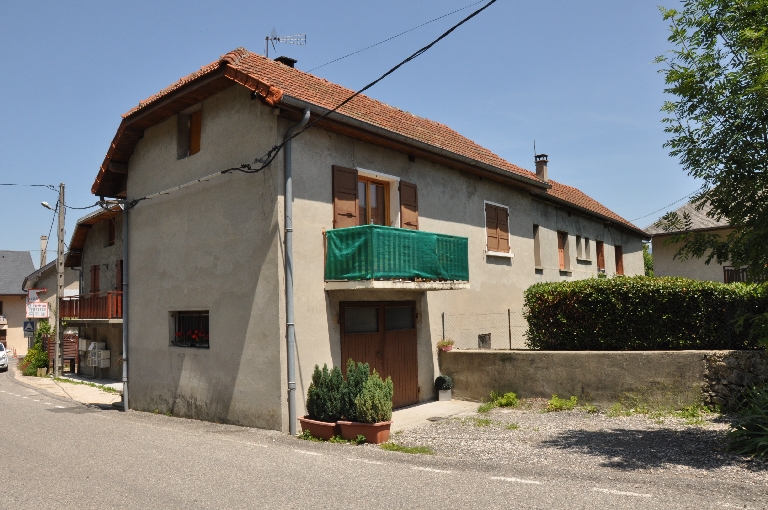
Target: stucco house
{"type": "Point", "coordinates": [663, 251]}
{"type": "Point", "coordinates": [96, 311]}
{"type": "Point", "coordinates": [14, 266]}
{"type": "Point", "coordinates": [395, 219]}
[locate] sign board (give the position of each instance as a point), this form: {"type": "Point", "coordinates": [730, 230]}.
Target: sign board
{"type": "Point", "coordinates": [33, 297]}
{"type": "Point", "coordinates": [38, 310]}
{"type": "Point", "coordinates": [29, 329]}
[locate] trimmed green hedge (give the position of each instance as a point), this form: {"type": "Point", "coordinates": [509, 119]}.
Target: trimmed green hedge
{"type": "Point", "coordinates": [642, 313]}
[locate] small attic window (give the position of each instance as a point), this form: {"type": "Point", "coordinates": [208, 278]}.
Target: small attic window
{"type": "Point", "coordinates": [190, 125]}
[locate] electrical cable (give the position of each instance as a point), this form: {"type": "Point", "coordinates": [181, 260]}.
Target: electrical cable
{"type": "Point", "coordinates": [49, 186]}
{"type": "Point", "coordinates": [689, 195]}
{"type": "Point", "coordinates": [394, 36]}
{"type": "Point", "coordinates": [267, 159]}
{"type": "Point", "coordinates": [53, 219]}
{"type": "Point", "coordinates": [81, 208]}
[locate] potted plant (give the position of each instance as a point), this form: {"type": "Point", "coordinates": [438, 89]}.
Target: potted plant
{"type": "Point", "coordinates": [372, 415]}
{"type": "Point", "coordinates": [445, 345]}
{"type": "Point", "coordinates": [443, 385]}
{"type": "Point", "coordinates": [323, 403]}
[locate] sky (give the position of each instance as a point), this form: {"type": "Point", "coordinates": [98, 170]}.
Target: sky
{"type": "Point", "coordinates": [579, 78]}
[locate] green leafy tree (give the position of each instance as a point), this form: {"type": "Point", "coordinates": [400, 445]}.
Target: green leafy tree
{"type": "Point", "coordinates": [647, 261]}
{"type": "Point", "coordinates": [718, 124]}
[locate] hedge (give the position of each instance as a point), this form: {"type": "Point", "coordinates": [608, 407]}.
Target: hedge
{"type": "Point", "coordinates": [644, 313]}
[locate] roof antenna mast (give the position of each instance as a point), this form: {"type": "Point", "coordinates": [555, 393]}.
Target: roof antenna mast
{"type": "Point", "coordinates": [300, 39]}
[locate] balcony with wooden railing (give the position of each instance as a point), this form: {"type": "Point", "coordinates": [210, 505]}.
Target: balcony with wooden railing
{"type": "Point", "coordinates": [97, 305]}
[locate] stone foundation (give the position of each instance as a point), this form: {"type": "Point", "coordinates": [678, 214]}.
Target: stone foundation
{"type": "Point", "coordinates": [728, 373]}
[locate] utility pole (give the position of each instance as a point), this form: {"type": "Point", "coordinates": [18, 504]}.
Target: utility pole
{"type": "Point", "coordinates": [57, 361]}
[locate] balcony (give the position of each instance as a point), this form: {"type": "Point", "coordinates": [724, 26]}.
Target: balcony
{"type": "Point", "coordinates": [378, 257]}
{"type": "Point", "coordinates": [95, 306]}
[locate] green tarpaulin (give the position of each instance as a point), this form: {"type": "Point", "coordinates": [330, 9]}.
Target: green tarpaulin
{"type": "Point", "coordinates": [376, 252]}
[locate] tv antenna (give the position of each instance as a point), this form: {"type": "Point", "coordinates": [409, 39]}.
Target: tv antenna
{"type": "Point", "coordinates": [300, 39]}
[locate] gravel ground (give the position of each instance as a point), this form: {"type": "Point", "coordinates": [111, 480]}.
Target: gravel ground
{"type": "Point", "coordinates": [594, 441]}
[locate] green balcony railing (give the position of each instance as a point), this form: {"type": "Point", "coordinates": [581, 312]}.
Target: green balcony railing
{"type": "Point", "coordinates": [372, 252]}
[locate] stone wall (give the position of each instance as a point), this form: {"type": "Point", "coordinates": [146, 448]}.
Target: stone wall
{"type": "Point", "coordinates": [662, 378]}
{"type": "Point", "coordinates": [728, 373]}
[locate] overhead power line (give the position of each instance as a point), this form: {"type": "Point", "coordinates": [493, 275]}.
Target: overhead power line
{"type": "Point", "coordinates": [49, 186]}
{"type": "Point", "coordinates": [395, 36]}
{"type": "Point", "coordinates": [266, 160]}
{"type": "Point", "coordinates": [689, 195]}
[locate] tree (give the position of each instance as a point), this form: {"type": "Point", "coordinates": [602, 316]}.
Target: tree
{"type": "Point", "coordinates": [647, 261]}
{"type": "Point", "coordinates": [718, 122]}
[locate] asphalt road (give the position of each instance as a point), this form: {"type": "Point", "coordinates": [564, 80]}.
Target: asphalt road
{"type": "Point", "coordinates": [59, 454]}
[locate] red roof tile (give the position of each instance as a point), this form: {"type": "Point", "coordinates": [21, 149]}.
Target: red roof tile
{"type": "Point", "coordinates": [274, 80]}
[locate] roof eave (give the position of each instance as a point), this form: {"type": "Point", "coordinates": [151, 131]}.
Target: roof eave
{"type": "Point", "coordinates": [637, 231]}
{"type": "Point", "coordinates": [530, 183]}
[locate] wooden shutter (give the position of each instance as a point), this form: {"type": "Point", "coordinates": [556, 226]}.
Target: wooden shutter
{"type": "Point", "coordinates": [344, 197]}
{"type": "Point", "coordinates": [600, 255]}
{"type": "Point", "coordinates": [409, 206]}
{"type": "Point", "coordinates": [502, 213]}
{"type": "Point", "coordinates": [492, 227]}
{"type": "Point", "coordinates": [95, 269]}
{"type": "Point", "coordinates": [195, 129]}
{"type": "Point", "coordinates": [619, 253]}
{"type": "Point", "coordinates": [119, 275]}
{"type": "Point", "coordinates": [561, 249]}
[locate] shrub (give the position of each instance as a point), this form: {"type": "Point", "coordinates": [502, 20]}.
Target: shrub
{"type": "Point", "coordinates": [443, 382]}
{"type": "Point", "coordinates": [641, 313]}
{"type": "Point", "coordinates": [374, 404]}
{"type": "Point", "coordinates": [324, 394]}
{"type": "Point", "coordinates": [560, 404]}
{"type": "Point", "coordinates": [357, 375]}
{"type": "Point", "coordinates": [749, 432]}
{"type": "Point", "coordinates": [506, 400]}
{"type": "Point", "coordinates": [35, 358]}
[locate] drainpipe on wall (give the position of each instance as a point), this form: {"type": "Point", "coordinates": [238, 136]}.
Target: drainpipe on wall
{"type": "Point", "coordinates": [289, 325]}
{"type": "Point", "coordinates": [125, 305]}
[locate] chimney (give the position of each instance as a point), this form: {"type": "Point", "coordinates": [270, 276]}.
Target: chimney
{"type": "Point", "coordinates": [43, 250]}
{"type": "Point", "coordinates": [288, 61]}
{"type": "Point", "coordinates": [541, 166]}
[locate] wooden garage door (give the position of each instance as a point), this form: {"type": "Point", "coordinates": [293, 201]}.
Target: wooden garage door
{"type": "Point", "coordinates": [384, 336]}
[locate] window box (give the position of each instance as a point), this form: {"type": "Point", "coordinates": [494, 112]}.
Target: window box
{"type": "Point", "coordinates": [507, 255]}
{"type": "Point", "coordinates": [191, 329]}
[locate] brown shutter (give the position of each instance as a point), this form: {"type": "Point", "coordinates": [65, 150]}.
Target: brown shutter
{"type": "Point", "coordinates": [195, 129]}
{"type": "Point", "coordinates": [95, 269]}
{"type": "Point", "coordinates": [409, 206]}
{"type": "Point", "coordinates": [492, 227]}
{"type": "Point", "coordinates": [619, 252]}
{"type": "Point", "coordinates": [344, 197]}
{"type": "Point", "coordinates": [561, 249]}
{"type": "Point", "coordinates": [503, 218]}
{"type": "Point", "coordinates": [119, 275]}
{"type": "Point", "coordinates": [600, 255]}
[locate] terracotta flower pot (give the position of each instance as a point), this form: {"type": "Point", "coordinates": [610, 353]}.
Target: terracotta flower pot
{"type": "Point", "coordinates": [446, 348]}
{"type": "Point", "coordinates": [321, 429]}
{"type": "Point", "coordinates": [375, 433]}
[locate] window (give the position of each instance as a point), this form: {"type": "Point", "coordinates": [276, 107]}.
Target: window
{"type": "Point", "coordinates": [536, 247]}
{"type": "Point", "coordinates": [360, 200]}
{"type": "Point", "coordinates": [1, 308]}
{"type": "Point", "coordinates": [3, 337]}
{"type": "Point", "coordinates": [587, 250]}
{"type": "Point", "coordinates": [600, 256]}
{"type": "Point", "coordinates": [372, 202]}
{"type": "Point", "coordinates": [496, 228]}
{"type": "Point", "coordinates": [189, 133]}
{"type": "Point", "coordinates": [619, 254]}
{"type": "Point", "coordinates": [110, 232]}
{"type": "Point", "coordinates": [119, 275]}
{"type": "Point", "coordinates": [190, 329]}
{"type": "Point", "coordinates": [361, 320]}
{"type": "Point", "coordinates": [95, 270]}
{"type": "Point", "coordinates": [579, 248]}
{"type": "Point", "coordinates": [563, 254]}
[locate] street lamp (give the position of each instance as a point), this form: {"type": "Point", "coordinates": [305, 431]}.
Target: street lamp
{"type": "Point", "coordinates": [45, 204]}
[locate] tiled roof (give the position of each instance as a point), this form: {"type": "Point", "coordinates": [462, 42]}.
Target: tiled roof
{"type": "Point", "coordinates": [699, 220]}
{"type": "Point", "coordinates": [14, 266]}
{"type": "Point", "coordinates": [275, 81]}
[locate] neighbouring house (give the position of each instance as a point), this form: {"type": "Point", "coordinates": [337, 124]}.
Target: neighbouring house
{"type": "Point", "coordinates": [14, 266]}
{"type": "Point", "coordinates": [96, 311]}
{"type": "Point", "coordinates": [46, 278]}
{"type": "Point", "coordinates": [396, 219]}
{"type": "Point", "coordinates": [663, 250]}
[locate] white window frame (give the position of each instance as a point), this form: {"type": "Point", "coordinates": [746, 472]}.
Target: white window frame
{"type": "Point", "coordinates": [488, 252]}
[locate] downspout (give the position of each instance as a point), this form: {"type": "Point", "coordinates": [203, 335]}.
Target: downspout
{"type": "Point", "coordinates": [125, 306]}
{"type": "Point", "coordinates": [289, 325]}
